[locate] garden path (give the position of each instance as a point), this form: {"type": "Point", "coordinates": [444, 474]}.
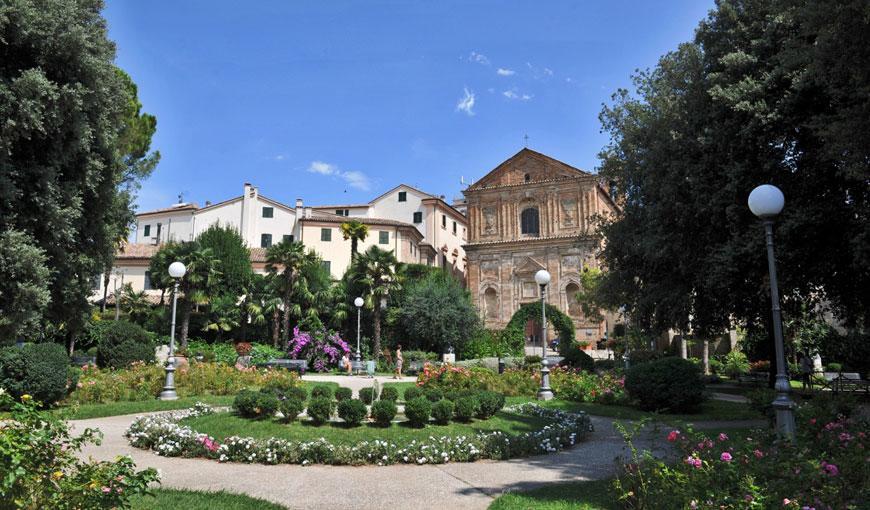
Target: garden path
{"type": "Point", "coordinates": [457, 485]}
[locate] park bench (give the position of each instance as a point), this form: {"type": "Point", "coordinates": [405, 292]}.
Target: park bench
{"type": "Point", "coordinates": [298, 365]}
{"type": "Point", "coordinates": [847, 382]}
{"type": "Point", "coordinates": [755, 378]}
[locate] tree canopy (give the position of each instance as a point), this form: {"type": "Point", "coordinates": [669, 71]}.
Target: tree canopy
{"type": "Point", "coordinates": [768, 92]}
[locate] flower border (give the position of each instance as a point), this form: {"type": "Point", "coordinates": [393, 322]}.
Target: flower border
{"type": "Point", "coordinates": [162, 434]}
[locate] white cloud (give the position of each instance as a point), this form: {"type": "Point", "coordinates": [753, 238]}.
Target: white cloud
{"type": "Point", "coordinates": [514, 95]}
{"type": "Point", "coordinates": [466, 102]}
{"type": "Point", "coordinates": [505, 72]}
{"type": "Point", "coordinates": [353, 178]}
{"type": "Point", "coordinates": [478, 58]}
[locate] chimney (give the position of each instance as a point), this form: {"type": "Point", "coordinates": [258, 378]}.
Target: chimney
{"type": "Point", "coordinates": [299, 203]}
{"type": "Point", "coordinates": [308, 213]}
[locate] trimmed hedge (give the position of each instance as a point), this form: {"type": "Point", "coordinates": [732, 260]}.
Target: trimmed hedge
{"type": "Point", "coordinates": [442, 411]}
{"type": "Point", "coordinates": [122, 343]}
{"type": "Point", "coordinates": [670, 384]}
{"type": "Point", "coordinates": [352, 411]}
{"type": "Point", "coordinates": [39, 370]}
{"type": "Point", "coordinates": [417, 411]}
{"type": "Point", "coordinates": [320, 409]}
{"type": "Point", "coordinates": [383, 412]}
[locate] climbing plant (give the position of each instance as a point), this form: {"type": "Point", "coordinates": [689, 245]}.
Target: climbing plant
{"type": "Point", "coordinates": [514, 330]}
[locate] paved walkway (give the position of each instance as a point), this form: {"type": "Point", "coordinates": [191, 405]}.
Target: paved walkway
{"type": "Point", "coordinates": [456, 485]}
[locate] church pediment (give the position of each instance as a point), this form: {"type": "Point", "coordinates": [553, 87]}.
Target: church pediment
{"type": "Point", "coordinates": [527, 166]}
{"type": "Point", "coordinates": [528, 266]}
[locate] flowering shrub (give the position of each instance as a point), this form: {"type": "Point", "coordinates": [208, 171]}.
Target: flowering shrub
{"type": "Point", "coordinates": [828, 467]}
{"type": "Point", "coordinates": [41, 467]}
{"type": "Point", "coordinates": [582, 386]}
{"type": "Point", "coordinates": [321, 349]}
{"type": "Point", "coordinates": [162, 434]}
{"type": "Point", "coordinates": [144, 381]}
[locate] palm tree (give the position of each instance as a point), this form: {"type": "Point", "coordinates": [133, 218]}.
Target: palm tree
{"type": "Point", "coordinates": [377, 271]}
{"type": "Point", "coordinates": [201, 275]}
{"type": "Point", "coordinates": [283, 261]}
{"type": "Point", "coordinates": [355, 231]}
{"type": "Point", "coordinates": [223, 316]}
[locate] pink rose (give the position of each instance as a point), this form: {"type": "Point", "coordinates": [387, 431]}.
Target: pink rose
{"type": "Point", "coordinates": [725, 457]}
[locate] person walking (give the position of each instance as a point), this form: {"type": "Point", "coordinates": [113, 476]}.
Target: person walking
{"type": "Point", "coordinates": [399, 361]}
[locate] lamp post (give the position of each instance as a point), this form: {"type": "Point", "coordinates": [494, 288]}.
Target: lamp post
{"type": "Point", "coordinates": [176, 271]}
{"type": "Point", "coordinates": [766, 202]}
{"type": "Point", "coordinates": [542, 278]}
{"type": "Point", "coordinates": [358, 302]}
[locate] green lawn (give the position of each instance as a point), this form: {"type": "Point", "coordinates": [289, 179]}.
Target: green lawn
{"type": "Point", "coordinates": [594, 495]}
{"type": "Point", "coordinates": [85, 411]}
{"type": "Point", "coordinates": [223, 425]}
{"type": "Point", "coordinates": [710, 410]}
{"type": "Point", "coordinates": [171, 499]}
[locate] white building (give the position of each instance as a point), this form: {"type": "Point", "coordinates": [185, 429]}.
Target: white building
{"type": "Point", "coordinates": [416, 226]}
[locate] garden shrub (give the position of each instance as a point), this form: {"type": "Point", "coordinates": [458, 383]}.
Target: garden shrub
{"type": "Point", "coordinates": [123, 343]}
{"type": "Point", "coordinates": [489, 403]}
{"type": "Point", "coordinates": [383, 412]}
{"type": "Point", "coordinates": [464, 408]}
{"type": "Point", "coordinates": [433, 394]}
{"type": "Point", "coordinates": [322, 390]}
{"type": "Point", "coordinates": [638, 356]}
{"type": "Point", "coordinates": [442, 411]}
{"type": "Point", "coordinates": [412, 393]}
{"type": "Point", "coordinates": [343, 394]}
{"type": "Point", "coordinates": [42, 465]}
{"type": "Point", "coordinates": [367, 395]}
{"type": "Point", "coordinates": [418, 411]}
{"type": "Point", "coordinates": [39, 370]}
{"type": "Point", "coordinates": [390, 393]}
{"type": "Point", "coordinates": [670, 384]}
{"type": "Point", "coordinates": [352, 411]}
{"type": "Point", "coordinates": [320, 409]}
{"type": "Point", "coordinates": [256, 404]}
{"type": "Point", "coordinates": [576, 357]}
{"type": "Point", "coordinates": [291, 408]}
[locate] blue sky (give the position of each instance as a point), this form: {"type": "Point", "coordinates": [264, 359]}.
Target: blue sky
{"type": "Point", "coordinates": [336, 102]}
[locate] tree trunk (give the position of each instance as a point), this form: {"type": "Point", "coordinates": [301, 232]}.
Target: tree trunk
{"type": "Point", "coordinates": [185, 323]}
{"type": "Point", "coordinates": [276, 328]}
{"type": "Point", "coordinates": [376, 315]}
{"type": "Point", "coordinates": [706, 357]}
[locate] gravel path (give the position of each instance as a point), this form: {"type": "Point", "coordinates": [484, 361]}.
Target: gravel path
{"type": "Point", "coordinates": [460, 485]}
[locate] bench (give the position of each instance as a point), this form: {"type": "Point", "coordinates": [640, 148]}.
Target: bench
{"type": "Point", "coordinates": [297, 365]}
{"type": "Point", "coordinates": [754, 377]}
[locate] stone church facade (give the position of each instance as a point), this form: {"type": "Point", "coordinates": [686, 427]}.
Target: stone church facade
{"type": "Point", "coordinates": [533, 212]}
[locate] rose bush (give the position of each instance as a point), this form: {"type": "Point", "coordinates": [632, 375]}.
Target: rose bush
{"type": "Point", "coordinates": [322, 349]}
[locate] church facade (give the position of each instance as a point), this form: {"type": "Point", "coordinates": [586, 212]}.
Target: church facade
{"type": "Point", "coordinates": [533, 212]}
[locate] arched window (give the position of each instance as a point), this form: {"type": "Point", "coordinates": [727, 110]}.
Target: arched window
{"type": "Point", "coordinates": [490, 303]}
{"type": "Point", "coordinates": [529, 221]}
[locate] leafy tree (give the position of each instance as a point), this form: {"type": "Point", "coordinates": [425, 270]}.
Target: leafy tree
{"type": "Point", "coordinates": [64, 179]}
{"type": "Point", "coordinates": [355, 231]}
{"type": "Point", "coordinates": [773, 92]}
{"type": "Point", "coordinates": [377, 271]}
{"type": "Point", "coordinates": [24, 282]}
{"type": "Point", "coordinates": [284, 261]}
{"type": "Point", "coordinates": [228, 246]}
{"type": "Point", "coordinates": [437, 313]}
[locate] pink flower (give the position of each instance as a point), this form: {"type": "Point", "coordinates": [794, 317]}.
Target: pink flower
{"type": "Point", "coordinates": [725, 457]}
{"type": "Point", "coordinates": [673, 435]}
{"type": "Point", "coordinates": [758, 454]}
{"type": "Point", "coordinates": [723, 436]}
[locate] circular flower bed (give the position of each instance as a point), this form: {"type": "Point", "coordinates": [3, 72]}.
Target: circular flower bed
{"type": "Point", "coordinates": [162, 434]}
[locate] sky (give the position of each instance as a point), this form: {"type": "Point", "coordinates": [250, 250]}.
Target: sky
{"type": "Point", "coordinates": [337, 102]}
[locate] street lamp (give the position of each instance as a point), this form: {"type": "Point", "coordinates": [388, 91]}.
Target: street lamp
{"type": "Point", "coordinates": [542, 278]}
{"type": "Point", "coordinates": [358, 302]}
{"type": "Point", "coordinates": [766, 202]}
{"type": "Point", "coordinates": [176, 271]}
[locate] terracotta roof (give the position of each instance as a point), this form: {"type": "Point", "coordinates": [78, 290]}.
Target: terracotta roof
{"type": "Point", "coordinates": [186, 207]}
